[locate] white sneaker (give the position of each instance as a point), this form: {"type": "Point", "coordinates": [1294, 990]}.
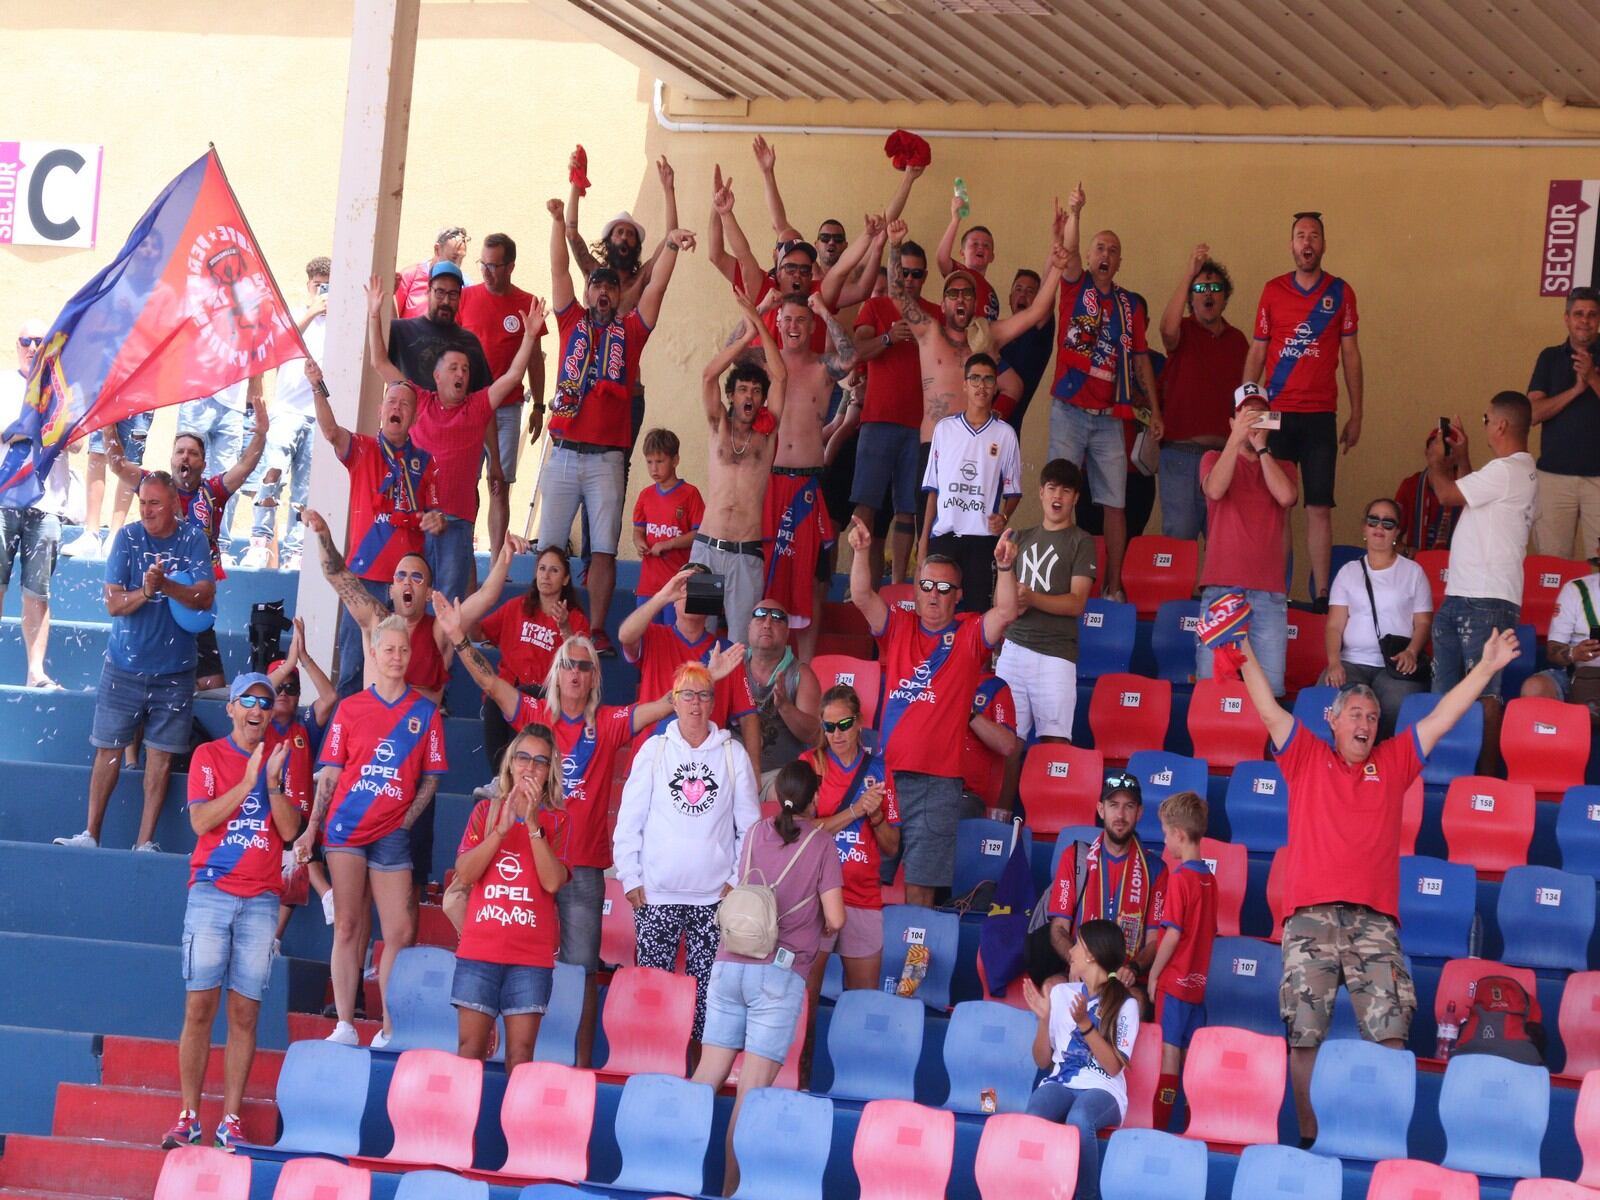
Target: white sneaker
{"type": "Point", "coordinates": [380, 1040]}
{"type": "Point", "coordinates": [259, 556]}
{"type": "Point", "coordinates": [327, 907]}
{"type": "Point", "coordinates": [292, 563]}
{"type": "Point", "coordinates": [149, 847]}
{"type": "Point", "coordinates": [88, 544]}
{"type": "Point", "coordinates": [85, 840]}
{"type": "Point", "coordinates": [489, 791]}
{"type": "Point", "coordinates": [344, 1034]}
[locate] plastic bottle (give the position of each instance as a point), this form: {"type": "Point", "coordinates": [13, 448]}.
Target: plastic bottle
{"type": "Point", "coordinates": [1449, 1031]}
{"type": "Point", "coordinates": [961, 191]}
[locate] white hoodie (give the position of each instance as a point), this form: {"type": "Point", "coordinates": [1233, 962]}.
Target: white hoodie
{"type": "Point", "coordinates": [685, 811]}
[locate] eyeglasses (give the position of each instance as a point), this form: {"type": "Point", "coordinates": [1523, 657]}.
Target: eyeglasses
{"type": "Point", "coordinates": [1382, 522]}
{"type": "Point", "coordinates": [500, 266]}
{"type": "Point", "coordinates": [250, 701]}
{"type": "Point", "coordinates": [581, 665]}
{"type": "Point", "coordinates": [410, 577]}
{"type": "Point", "coordinates": [30, 342]}
{"type": "Point", "coordinates": [977, 380]}
{"type": "Point", "coordinates": [768, 613]}
{"type": "Point", "coordinates": [1200, 289]}
{"type": "Point", "coordinates": [796, 268]}
{"type": "Point", "coordinates": [831, 238]}
{"type": "Point", "coordinates": [914, 272]}
{"type": "Point", "coordinates": [523, 758]}
{"type": "Point", "coordinates": [839, 726]}
{"type": "Point", "coordinates": [452, 293]}
{"type": "Point", "coordinates": [701, 697]}
{"type": "Point", "coordinates": [943, 586]}
{"type": "Point", "coordinates": [957, 293]}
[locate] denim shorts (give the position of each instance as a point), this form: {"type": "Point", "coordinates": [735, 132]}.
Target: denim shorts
{"type": "Point", "coordinates": [1179, 1020]}
{"type": "Point", "coordinates": [35, 537]}
{"type": "Point", "coordinates": [579, 905]}
{"type": "Point", "coordinates": [449, 557]}
{"type": "Point", "coordinates": [930, 810]}
{"type": "Point", "coordinates": [501, 989]}
{"type": "Point", "coordinates": [131, 432]}
{"type": "Point", "coordinates": [162, 704]}
{"type": "Point", "coordinates": [1095, 443]}
{"type": "Point", "coordinates": [886, 468]}
{"type": "Point", "coordinates": [592, 480]}
{"type": "Point", "coordinates": [753, 1007]}
{"type": "Point", "coordinates": [391, 852]}
{"type": "Point", "coordinates": [1460, 628]}
{"type": "Point", "coordinates": [227, 941]}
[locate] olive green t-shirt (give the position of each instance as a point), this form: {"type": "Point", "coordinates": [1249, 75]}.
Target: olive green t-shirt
{"type": "Point", "coordinates": [1047, 562]}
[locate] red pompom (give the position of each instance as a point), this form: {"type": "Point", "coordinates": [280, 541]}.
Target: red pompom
{"type": "Point", "coordinates": [906, 149]}
{"type": "Point", "coordinates": [579, 173]}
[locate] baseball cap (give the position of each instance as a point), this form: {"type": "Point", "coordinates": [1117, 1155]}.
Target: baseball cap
{"type": "Point", "coordinates": [961, 273]}
{"type": "Point", "coordinates": [249, 679]}
{"type": "Point", "coordinates": [278, 662]}
{"type": "Point", "coordinates": [797, 246]}
{"type": "Point", "coordinates": [622, 218]}
{"type": "Point", "coordinates": [1246, 392]}
{"type": "Point", "coordinates": [605, 275]}
{"type": "Point", "coordinates": [1122, 781]}
{"type": "Point", "coordinates": [445, 267]}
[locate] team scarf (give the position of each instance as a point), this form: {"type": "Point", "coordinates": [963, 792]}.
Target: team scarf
{"type": "Point", "coordinates": [588, 359]}
{"type": "Point", "coordinates": [1128, 907]}
{"type": "Point", "coordinates": [402, 474]}
{"type": "Point", "coordinates": [1093, 352]}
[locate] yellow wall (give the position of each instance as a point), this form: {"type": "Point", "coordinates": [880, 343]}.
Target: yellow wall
{"type": "Point", "coordinates": [1441, 244]}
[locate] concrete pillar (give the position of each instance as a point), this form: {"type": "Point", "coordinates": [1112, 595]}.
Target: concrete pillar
{"type": "Point", "coordinates": [383, 48]}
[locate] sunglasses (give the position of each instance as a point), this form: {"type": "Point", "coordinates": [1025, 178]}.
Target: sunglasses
{"type": "Point", "coordinates": [838, 726]}
{"type": "Point", "coordinates": [523, 758]}
{"type": "Point", "coordinates": [1382, 523]}
{"type": "Point", "coordinates": [702, 696]}
{"type": "Point", "coordinates": [582, 665]}
{"type": "Point", "coordinates": [914, 272]}
{"type": "Point", "coordinates": [410, 577]}
{"type": "Point", "coordinates": [1122, 781]}
{"type": "Point", "coordinates": [943, 586]}
{"type": "Point", "coordinates": [249, 701]}
{"type": "Point", "coordinates": [830, 238]}
{"type": "Point", "coordinates": [796, 268]}
{"type": "Point", "coordinates": [288, 689]}
{"type": "Point", "coordinates": [1200, 289]}
{"type": "Point", "coordinates": [958, 293]}
{"type": "Point", "coordinates": [30, 342]}
{"type": "Point", "coordinates": [768, 613]}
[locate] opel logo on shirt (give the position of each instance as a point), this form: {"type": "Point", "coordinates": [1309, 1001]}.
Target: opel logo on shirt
{"type": "Point", "coordinates": [968, 472]}
{"type": "Point", "coordinates": [510, 869]}
{"type": "Point", "coordinates": [383, 751]}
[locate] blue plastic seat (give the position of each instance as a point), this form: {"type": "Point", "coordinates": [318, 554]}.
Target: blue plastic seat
{"type": "Point", "coordinates": [1105, 638]}
{"type": "Point", "coordinates": [558, 1028]}
{"type": "Point", "coordinates": [663, 1127]}
{"type": "Point", "coordinates": [1546, 917]}
{"type": "Point", "coordinates": [905, 925]}
{"type": "Point", "coordinates": [989, 1046]}
{"type": "Point", "coordinates": [553, 1191]}
{"type": "Point", "coordinates": [1578, 830]}
{"type": "Point", "coordinates": [1072, 833]}
{"type": "Point", "coordinates": [1438, 910]}
{"type": "Point", "coordinates": [1257, 805]}
{"type": "Point", "coordinates": [1285, 1173]}
{"type": "Point", "coordinates": [1494, 1112]}
{"type": "Point", "coordinates": [982, 848]}
{"type": "Point", "coordinates": [874, 1042]}
{"type": "Point", "coordinates": [419, 1000]}
{"type": "Point", "coordinates": [1524, 664]}
{"type": "Point", "coordinates": [1311, 710]}
{"type": "Point", "coordinates": [782, 1143]}
{"type": "Point", "coordinates": [1172, 639]}
{"type": "Point", "coordinates": [1242, 985]}
{"type": "Point", "coordinates": [1363, 1094]}
{"type": "Point", "coordinates": [1161, 774]}
{"type": "Point", "coordinates": [1143, 1163]}
{"type": "Point", "coordinates": [1456, 753]}
{"type": "Point", "coordinates": [439, 1185]}
{"type": "Point", "coordinates": [322, 1092]}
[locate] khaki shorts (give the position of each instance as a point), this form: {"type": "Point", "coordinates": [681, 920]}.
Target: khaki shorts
{"type": "Point", "coordinates": [861, 937]}
{"type": "Point", "coordinates": [1328, 944]}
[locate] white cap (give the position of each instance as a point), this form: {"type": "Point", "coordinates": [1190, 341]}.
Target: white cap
{"type": "Point", "coordinates": [1246, 392]}
{"type": "Point", "coordinates": [622, 218]}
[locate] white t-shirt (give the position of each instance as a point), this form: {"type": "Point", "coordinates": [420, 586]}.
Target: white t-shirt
{"type": "Point", "coordinates": [57, 484]}
{"type": "Point", "coordinates": [1401, 590]}
{"type": "Point", "coordinates": [1570, 625]}
{"type": "Point", "coordinates": [972, 471]}
{"type": "Point", "coordinates": [293, 390]}
{"type": "Point", "coordinates": [235, 396]}
{"type": "Point", "coordinates": [1487, 548]}
{"type": "Point", "coordinates": [1093, 1075]}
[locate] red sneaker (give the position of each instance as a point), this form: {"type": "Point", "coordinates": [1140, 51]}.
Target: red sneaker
{"type": "Point", "coordinates": [229, 1134]}
{"type": "Point", "coordinates": [185, 1133]}
{"type": "Point", "coordinates": [602, 644]}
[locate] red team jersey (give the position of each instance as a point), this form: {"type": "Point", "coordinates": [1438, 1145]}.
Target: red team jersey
{"type": "Point", "coordinates": [981, 767]}
{"type": "Point", "coordinates": [297, 770]}
{"type": "Point", "coordinates": [510, 918]}
{"type": "Point", "coordinates": [1303, 331]}
{"type": "Point", "coordinates": [894, 377]}
{"type": "Point", "coordinates": [602, 416]}
{"type": "Point", "coordinates": [663, 649]}
{"type": "Point", "coordinates": [1104, 902]}
{"type": "Point", "coordinates": [859, 856]}
{"type": "Point", "coordinates": [586, 765]}
{"type": "Point", "coordinates": [243, 855]}
{"type": "Point", "coordinates": [382, 750]}
{"type": "Point", "coordinates": [929, 680]}
{"type": "Point", "coordinates": [205, 506]}
{"type": "Point", "coordinates": [663, 515]}
{"type": "Point", "coordinates": [496, 321]}
{"type": "Point", "coordinates": [387, 500]}
{"type": "Point", "coordinates": [528, 643]}
{"type": "Point", "coordinates": [1190, 907]}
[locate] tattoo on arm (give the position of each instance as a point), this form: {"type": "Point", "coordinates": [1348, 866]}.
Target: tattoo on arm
{"type": "Point", "coordinates": [477, 664]}
{"type": "Point", "coordinates": [326, 782]}
{"type": "Point", "coordinates": [345, 585]}
{"type": "Point", "coordinates": [425, 791]}
{"type": "Point", "coordinates": [842, 356]}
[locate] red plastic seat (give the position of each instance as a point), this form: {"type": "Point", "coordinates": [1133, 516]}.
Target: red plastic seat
{"type": "Point", "coordinates": [617, 935]}
{"type": "Point", "coordinates": [1545, 744]}
{"type": "Point", "coordinates": [1234, 1081]}
{"type": "Point", "coordinates": [1435, 565]}
{"type": "Point", "coordinates": [904, 1151]}
{"type": "Point", "coordinates": [863, 674]}
{"type": "Point", "coordinates": [433, 1107]}
{"type": "Point", "coordinates": [1550, 1189]}
{"type": "Point", "coordinates": [322, 1179]}
{"type": "Point", "coordinates": [1459, 978]}
{"type": "Point", "coordinates": [647, 1017]}
{"type": "Point", "coordinates": [202, 1173]}
{"type": "Point", "coordinates": [1275, 894]}
{"type": "Point", "coordinates": [1543, 577]}
{"type": "Point", "coordinates": [547, 1115]}
{"type": "Point", "coordinates": [1143, 1073]}
{"type": "Point", "coordinates": [789, 1072]}
{"type": "Point", "coordinates": [1586, 1127]}
{"type": "Point", "coordinates": [842, 618]}
{"type": "Point", "coordinates": [1411, 816]}
{"type": "Point", "coordinates": [1017, 1153]}
{"type": "Point", "coordinates": [1579, 1022]}
{"type": "Point", "coordinates": [901, 595]}
{"type": "Point", "coordinates": [1128, 713]}
{"type": "Point", "coordinates": [1408, 1179]}
{"type": "Point", "coordinates": [1158, 569]}
{"type": "Point", "coordinates": [1230, 864]}
{"type": "Point", "coordinates": [1488, 823]}
{"type": "Point", "coordinates": [1060, 786]}
{"type": "Point", "coordinates": [1224, 726]}
{"type": "Point", "coordinates": [1307, 654]}
{"type": "Point", "coordinates": [1012, 998]}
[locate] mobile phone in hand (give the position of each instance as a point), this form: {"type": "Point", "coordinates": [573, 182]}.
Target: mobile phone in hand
{"type": "Point", "coordinates": [1269, 420]}
{"type": "Point", "coordinates": [1444, 429]}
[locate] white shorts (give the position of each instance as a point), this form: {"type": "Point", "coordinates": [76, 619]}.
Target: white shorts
{"type": "Point", "coordinates": [1044, 689]}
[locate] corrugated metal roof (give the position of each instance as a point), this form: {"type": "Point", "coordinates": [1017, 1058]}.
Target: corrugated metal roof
{"type": "Point", "coordinates": [1349, 54]}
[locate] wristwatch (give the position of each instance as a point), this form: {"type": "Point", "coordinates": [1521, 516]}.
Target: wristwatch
{"type": "Point", "coordinates": [888, 340]}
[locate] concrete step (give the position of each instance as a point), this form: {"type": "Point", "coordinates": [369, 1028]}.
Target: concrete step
{"type": "Point", "coordinates": [152, 1063]}
{"type": "Point", "coordinates": [80, 1166]}
{"type": "Point", "coordinates": [145, 1114]}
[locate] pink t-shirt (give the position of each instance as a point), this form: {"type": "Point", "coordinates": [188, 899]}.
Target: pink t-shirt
{"type": "Point", "coordinates": [1244, 530]}
{"type": "Point", "coordinates": [454, 437]}
{"type": "Point", "coordinates": [816, 871]}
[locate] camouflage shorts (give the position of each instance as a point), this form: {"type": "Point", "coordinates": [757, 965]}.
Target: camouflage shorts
{"type": "Point", "coordinates": [1328, 944]}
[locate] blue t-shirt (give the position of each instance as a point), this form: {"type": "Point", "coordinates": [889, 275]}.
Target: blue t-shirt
{"type": "Point", "coordinates": [148, 641]}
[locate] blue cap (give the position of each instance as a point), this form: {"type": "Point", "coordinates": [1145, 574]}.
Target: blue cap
{"type": "Point", "coordinates": [445, 267]}
{"type": "Point", "coordinates": [243, 683]}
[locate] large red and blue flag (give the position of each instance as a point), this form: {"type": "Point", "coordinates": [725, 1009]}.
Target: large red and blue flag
{"type": "Point", "coordinates": [187, 307]}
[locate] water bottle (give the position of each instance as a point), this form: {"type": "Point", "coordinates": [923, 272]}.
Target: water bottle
{"type": "Point", "coordinates": [961, 191]}
{"type": "Point", "coordinates": [1449, 1031]}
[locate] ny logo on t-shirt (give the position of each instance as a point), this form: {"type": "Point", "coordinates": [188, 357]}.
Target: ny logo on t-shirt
{"type": "Point", "coordinates": [1037, 565]}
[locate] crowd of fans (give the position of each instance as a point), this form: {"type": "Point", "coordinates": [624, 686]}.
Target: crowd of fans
{"type": "Point", "coordinates": [841, 403]}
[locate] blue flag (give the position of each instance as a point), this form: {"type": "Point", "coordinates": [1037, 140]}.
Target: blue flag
{"type": "Point", "coordinates": [1002, 942]}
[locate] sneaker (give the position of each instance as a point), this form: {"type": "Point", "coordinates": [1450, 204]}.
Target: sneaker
{"type": "Point", "coordinates": [292, 563]}
{"type": "Point", "coordinates": [327, 907]}
{"type": "Point", "coordinates": [84, 840]}
{"type": "Point", "coordinates": [381, 1039]}
{"type": "Point", "coordinates": [229, 1134]}
{"type": "Point", "coordinates": [259, 556]}
{"type": "Point", "coordinates": [186, 1132]}
{"type": "Point", "coordinates": [149, 847]}
{"type": "Point", "coordinates": [344, 1034]}
{"type": "Point", "coordinates": [602, 644]}
{"type": "Point", "coordinates": [88, 544]}
{"type": "Point", "coordinates": [488, 791]}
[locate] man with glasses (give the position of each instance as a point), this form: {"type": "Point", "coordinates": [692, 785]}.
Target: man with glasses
{"type": "Point", "coordinates": [1305, 331]}
{"type": "Point", "coordinates": [1565, 393]}
{"type": "Point", "coordinates": [493, 311]}
{"type": "Point", "coordinates": [785, 690]}
{"type": "Point", "coordinates": [416, 343]}
{"type": "Point", "coordinates": [1483, 594]}
{"type": "Point", "coordinates": [933, 659]}
{"type": "Point", "coordinates": [1205, 354]}
{"type": "Point", "coordinates": [972, 485]}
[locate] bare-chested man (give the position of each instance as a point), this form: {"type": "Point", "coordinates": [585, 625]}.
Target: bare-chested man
{"type": "Point", "coordinates": [795, 527]}
{"type": "Point", "coordinates": [743, 443]}
{"type": "Point", "coordinates": [621, 244]}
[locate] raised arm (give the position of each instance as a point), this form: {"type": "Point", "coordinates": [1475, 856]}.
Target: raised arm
{"type": "Point", "coordinates": [377, 343]}
{"type": "Point", "coordinates": [777, 372]}
{"type": "Point", "coordinates": [840, 356]}
{"type": "Point", "coordinates": [863, 578]}
{"type": "Point", "coordinates": [1440, 458]}
{"type": "Point", "coordinates": [234, 477]}
{"type": "Point", "coordinates": [509, 386]}
{"type": "Point", "coordinates": [1009, 328]}
{"type": "Point", "coordinates": [561, 293]}
{"type": "Point", "coordinates": [116, 458]}
{"type": "Point", "coordinates": [945, 256]}
{"type": "Point", "coordinates": [1172, 315]}
{"type": "Point", "coordinates": [897, 203]}
{"type": "Point", "coordinates": [767, 160]}
{"type": "Point", "coordinates": [738, 245]}
{"type": "Point", "coordinates": [1498, 652]}
{"type": "Point", "coordinates": [631, 632]}
{"type": "Point", "coordinates": [1004, 610]}
{"type": "Point", "coordinates": [899, 287]}
{"type": "Point", "coordinates": [711, 375]}
{"type": "Point", "coordinates": [1069, 235]}
{"type": "Point", "coordinates": [1279, 722]}
{"type": "Point", "coordinates": [669, 190]}
{"type": "Point", "coordinates": [477, 606]}
{"type": "Point", "coordinates": [363, 609]}
{"type": "Point", "coordinates": [679, 241]}
{"type": "Point", "coordinates": [867, 247]}
{"type": "Point", "coordinates": [336, 434]}
{"type": "Point", "coordinates": [569, 226]}
{"type": "Point", "coordinates": [447, 615]}
{"type": "Point", "coordinates": [716, 247]}
{"type": "Point", "coordinates": [327, 694]}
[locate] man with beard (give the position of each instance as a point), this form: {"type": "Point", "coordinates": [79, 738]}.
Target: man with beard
{"type": "Point", "coordinates": [411, 286]}
{"type": "Point", "coordinates": [590, 422]}
{"type": "Point", "coordinates": [1305, 330]}
{"type": "Point", "coordinates": [1102, 346]}
{"type": "Point", "coordinates": [621, 244]}
{"type": "Point", "coordinates": [415, 343]}
{"type": "Point", "coordinates": [1028, 354]}
{"type": "Point", "coordinates": [743, 443]}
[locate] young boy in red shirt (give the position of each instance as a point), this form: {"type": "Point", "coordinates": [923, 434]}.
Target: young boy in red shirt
{"type": "Point", "coordinates": [665, 517]}
{"type": "Point", "coordinates": [1189, 926]}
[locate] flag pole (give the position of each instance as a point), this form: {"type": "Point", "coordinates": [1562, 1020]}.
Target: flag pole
{"type": "Point", "coordinates": [211, 148]}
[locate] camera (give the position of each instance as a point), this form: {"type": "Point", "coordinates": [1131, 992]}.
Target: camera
{"type": "Point", "coordinates": [703, 594]}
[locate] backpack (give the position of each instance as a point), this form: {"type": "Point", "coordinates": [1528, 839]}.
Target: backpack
{"type": "Point", "coordinates": [748, 915]}
{"type": "Point", "coordinates": [1500, 1022]}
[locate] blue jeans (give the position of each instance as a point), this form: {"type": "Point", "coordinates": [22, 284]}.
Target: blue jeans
{"type": "Point", "coordinates": [1094, 443]}
{"type": "Point", "coordinates": [1460, 628]}
{"type": "Point", "coordinates": [288, 451]}
{"type": "Point", "coordinates": [352, 654]}
{"type": "Point", "coordinates": [1088, 1110]}
{"type": "Point", "coordinates": [449, 556]}
{"type": "Point", "coordinates": [580, 904]}
{"type": "Point", "coordinates": [35, 537]}
{"type": "Point", "coordinates": [1183, 504]}
{"type": "Point", "coordinates": [162, 704]}
{"type": "Point", "coordinates": [132, 432]}
{"type": "Point", "coordinates": [1269, 633]}
{"type": "Point", "coordinates": [227, 941]}
{"type": "Point", "coordinates": [221, 430]}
